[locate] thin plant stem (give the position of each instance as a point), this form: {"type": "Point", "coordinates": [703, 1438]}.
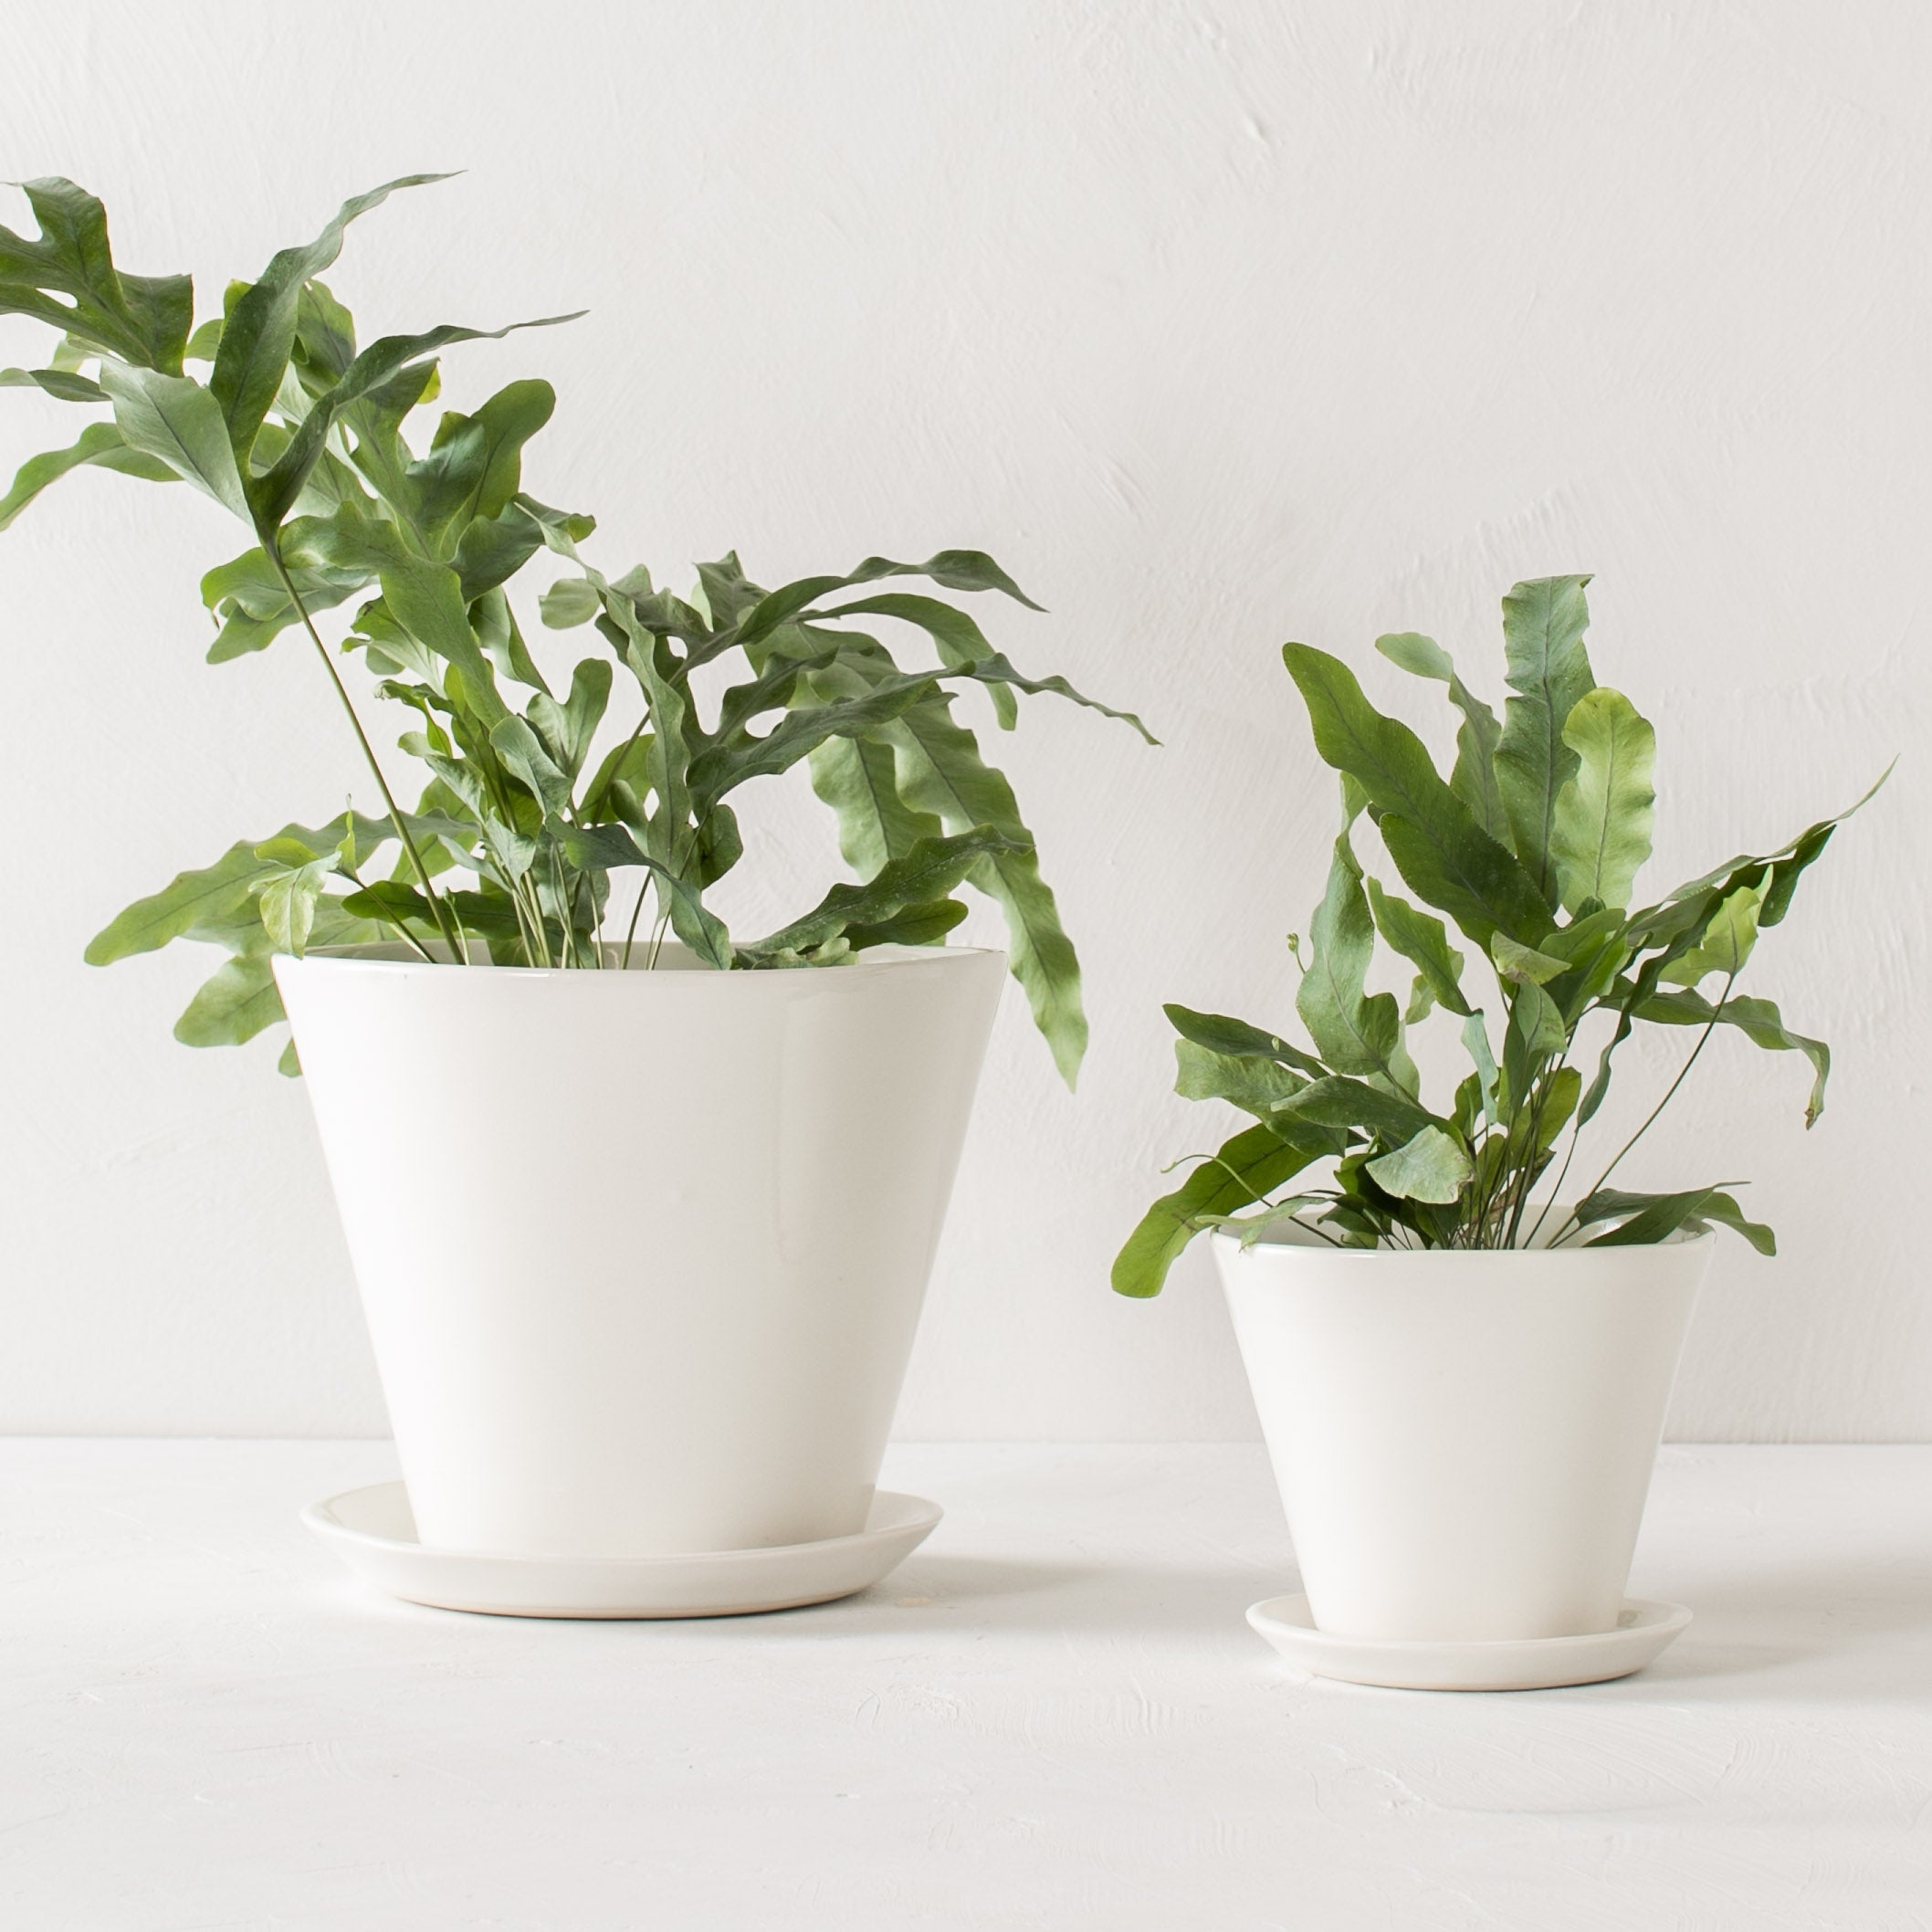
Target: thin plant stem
{"type": "Point", "coordinates": [447, 922]}
{"type": "Point", "coordinates": [1710, 1027]}
{"type": "Point", "coordinates": [395, 926]}
{"type": "Point", "coordinates": [1526, 1181]}
{"type": "Point", "coordinates": [630, 932]}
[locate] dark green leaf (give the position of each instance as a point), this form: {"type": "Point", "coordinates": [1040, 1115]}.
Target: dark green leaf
{"type": "Point", "coordinates": [475, 462]}
{"type": "Point", "coordinates": [941, 772]}
{"type": "Point", "coordinates": [258, 333]}
{"type": "Point", "coordinates": [1473, 779]}
{"type": "Point", "coordinates": [271, 495]}
{"type": "Point", "coordinates": [926, 874]}
{"type": "Point", "coordinates": [1758, 1020]}
{"type": "Point", "coordinates": [609, 846]}
{"type": "Point", "coordinates": [1422, 941]}
{"type": "Point", "coordinates": [1220, 1034]}
{"type": "Point", "coordinates": [957, 569]}
{"type": "Point", "coordinates": [1437, 846]}
{"type": "Point", "coordinates": [1256, 1084]}
{"type": "Point", "coordinates": [1656, 1217]}
{"type": "Point", "coordinates": [1335, 1101]}
{"type": "Point", "coordinates": [1353, 1031]}
{"type": "Point", "coordinates": [1245, 1172]}
{"type": "Point", "coordinates": [144, 320]}
{"type": "Point", "coordinates": [66, 383]}
{"type": "Point", "coordinates": [492, 550]}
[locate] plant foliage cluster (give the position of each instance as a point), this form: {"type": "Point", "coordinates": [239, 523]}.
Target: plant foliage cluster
{"type": "Point", "coordinates": [1532, 847]}
{"type": "Point", "coordinates": [303, 434]}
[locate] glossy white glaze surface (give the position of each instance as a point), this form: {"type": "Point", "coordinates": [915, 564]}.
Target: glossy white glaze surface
{"type": "Point", "coordinates": [1463, 1440]}
{"type": "Point", "coordinates": [642, 1253]}
{"type": "Point", "coordinates": [371, 1530]}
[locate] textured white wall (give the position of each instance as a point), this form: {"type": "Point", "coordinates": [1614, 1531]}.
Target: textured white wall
{"type": "Point", "coordinates": [1218, 324]}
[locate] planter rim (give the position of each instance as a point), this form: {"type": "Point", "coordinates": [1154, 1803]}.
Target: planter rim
{"type": "Point", "coordinates": [1231, 1245]}
{"type": "Point", "coordinates": [389, 957]}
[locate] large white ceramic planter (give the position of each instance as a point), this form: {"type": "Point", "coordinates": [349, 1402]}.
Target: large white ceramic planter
{"type": "Point", "coordinates": [642, 1254]}
{"type": "Point", "coordinates": [1463, 1440]}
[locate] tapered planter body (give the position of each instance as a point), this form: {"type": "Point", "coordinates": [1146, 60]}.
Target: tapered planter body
{"type": "Point", "coordinates": [642, 1253]}
{"type": "Point", "coordinates": [1463, 1440]}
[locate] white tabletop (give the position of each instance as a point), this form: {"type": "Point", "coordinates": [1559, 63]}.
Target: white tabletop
{"type": "Point", "coordinates": [1052, 1716]}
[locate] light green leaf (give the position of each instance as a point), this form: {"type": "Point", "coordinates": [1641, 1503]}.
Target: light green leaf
{"type": "Point", "coordinates": [569, 602]}
{"type": "Point", "coordinates": [232, 1006]}
{"type": "Point", "coordinates": [425, 597]}
{"type": "Point", "coordinates": [522, 751]}
{"type": "Point", "coordinates": [567, 729]}
{"type": "Point", "coordinates": [288, 897]}
{"type": "Point", "coordinates": [1600, 829]}
{"type": "Point", "coordinates": [858, 778]}
{"type": "Point", "coordinates": [1543, 625]}
{"type": "Point", "coordinates": [216, 902]}
{"type": "Point", "coordinates": [173, 419]}
{"type": "Point", "coordinates": [1433, 1167]}
{"type": "Point", "coordinates": [253, 605]}
{"type": "Point", "coordinates": [100, 444]}
{"type": "Point", "coordinates": [1728, 941]}
{"type": "Point", "coordinates": [1536, 1033]}
{"type": "Point", "coordinates": [1524, 965]}
{"type": "Point", "coordinates": [1476, 1044]}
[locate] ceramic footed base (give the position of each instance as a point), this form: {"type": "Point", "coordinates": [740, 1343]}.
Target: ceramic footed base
{"type": "Point", "coordinates": [1643, 1630]}
{"type": "Point", "coordinates": [374, 1533]}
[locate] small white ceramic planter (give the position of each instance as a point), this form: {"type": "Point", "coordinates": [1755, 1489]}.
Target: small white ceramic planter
{"type": "Point", "coordinates": [642, 1254]}
{"type": "Point", "coordinates": [1463, 1440]}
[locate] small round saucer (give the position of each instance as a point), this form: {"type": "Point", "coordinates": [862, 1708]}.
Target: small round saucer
{"type": "Point", "coordinates": [372, 1532]}
{"type": "Point", "coordinates": [1643, 1630]}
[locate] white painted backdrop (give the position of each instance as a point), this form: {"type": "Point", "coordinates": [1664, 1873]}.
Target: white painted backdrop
{"type": "Point", "coordinates": [1218, 324]}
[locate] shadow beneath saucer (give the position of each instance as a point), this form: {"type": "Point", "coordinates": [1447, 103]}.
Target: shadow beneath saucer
{"type": "Point", "coordinates": [1829, 1627]}
{"type": "Point", "coordinates": [924, 1580]}
{"type": "Point", "coordinates": [1145, 1601]}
